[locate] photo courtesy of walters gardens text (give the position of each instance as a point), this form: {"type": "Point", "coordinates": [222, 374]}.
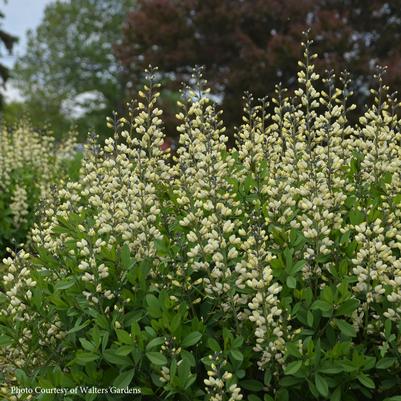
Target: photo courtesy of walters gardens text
{"type": "Point", "coordinates": [74, 390]}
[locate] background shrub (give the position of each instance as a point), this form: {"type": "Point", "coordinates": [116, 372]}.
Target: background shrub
{"type": "Point", "coordinates": [260, 273]}
{"type": "Point", "coordinates": [30, 163]}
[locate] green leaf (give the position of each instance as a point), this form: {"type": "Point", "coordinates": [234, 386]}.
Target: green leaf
{"type": "Point", "coordinates": [156, 358]}
{"type": "Point", "coordinates": [87, 344]}
{"type": "Point", "coordinates": [297, 267]}
{"type": "Point", "coordinates": [237, 355]}
{"type": "Point", "coordinates": [282, 395]}
{"type": "Point", "coordinates": [102, 322]}
{"type": "Point", "coordinates": [290, 381]}
{"type": "Point", "coordinates": [252, 385]}
{"type": "Point", "coordinates": [366, 380]}
{"type": "Point", "coordinates": [385, 363]}
{"type": "Point", "coordinates": [188, 357]}
{"type": "Point", "coordinates": [78, 326]}
{"type": "Point", "coordinates": [249, 183]}
{"type": "Point", "coordinates": [125, 257]}
{"type": "Point", "coordinates": [162, 247]}
{"type": "Point", "coordinates": [291, 282]}
{"type": "Point", "coordinates": [124, 337]}
{"type": "Point", "coordinates": [112, 357]}
{"type": "Point", "coordinates": [309, 318]}
{"type": "Point", "coordinates": [288, 258]}
{"type": "Point", "coordinates": [105, 340]}
{"type": "Point", "coordinates": [345, 328]}
{"type": "Point", "coordinates": [124, 379]}
{"type": "Point", "coordinates": [387, 327]}
{"type": "Point", "coordinates": [293, 367]}
{"type": "Point", "coordinates": [293, 350]}
{"type": "Point", "coordinates": [332, 370]}
{"type": "Point", "coordinates": [22, 377]}
{"type": "Point", "coordinates": [254, 397]}
{"type": "Point", "coordinates": [146, 391]}
{"type": "Point", "coordinates": [154, 343]}
{"type": "Point", "coordinates": [175, 322]}
{"type": "Point", "coordinates": [348, 366]}
{"type": "Point", "coordinates": [347, 307]}
{"type": "Point", "coordinates": [321, 385]}
{"type": "Point", "coordinates": [64, 284]}
{"type": "Point", "coordinates": [5, 340]}
{"type": "Point", "coordinates": [82, 358]}
{"type": "Point", "coordinates": [321, 305]}
{"type": "Point", "coordinates": [150, 331]}
{"type": "Point", "coordinates": [397, 199]}
{"type": "Point", "coordinates": [237, 342]}
{"type": "Point", "coordinates": [154, 307]}
{"type": "Point", "coordinates": [213, 344]}
{"type": "Point", "coordinates": [394, 398]}
{"type": "Point", "coordinates": [336, 396]}
{"type": "Point", "coordinates": [191, 339]}
{"type": "Point", "coordinates": [124, 350]}
{"type": "Point", "coordinates": [356, 217]}
{"type": "Point", "coordinates": [327, 294]}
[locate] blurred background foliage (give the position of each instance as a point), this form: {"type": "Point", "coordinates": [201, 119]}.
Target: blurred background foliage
{"type": "Point", "coordinates": [87, 57]}
{"type": "Point", "coordinates": [68, 73]}
{"type": "Point", "coordinates": [7, 42]}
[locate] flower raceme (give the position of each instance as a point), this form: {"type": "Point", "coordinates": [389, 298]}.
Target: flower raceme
{"type": "Point", "coordinates": [30, 163]}
{"type": "Point", "coordinates": [258, 271]}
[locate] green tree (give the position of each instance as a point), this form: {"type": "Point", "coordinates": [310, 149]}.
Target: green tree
{"type": "Point", "coordinates": [6, 41]}
{"type": "Point", "coordinates": [70, 56]}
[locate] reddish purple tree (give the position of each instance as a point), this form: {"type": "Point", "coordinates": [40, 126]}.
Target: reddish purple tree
{"type": "Point", "coordinates": [252, 45]}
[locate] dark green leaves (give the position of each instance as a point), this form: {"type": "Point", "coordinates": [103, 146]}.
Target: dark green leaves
{"type": "Point", "coordinates": [111, 356]}
{"type": "Point", "coordinates": [356, 217]}
{"type": "Point", "coordinates": [82, 358]}
{"type": "Point", "coordinates": [5, 340]}
{"type": "Point", "coordinates": [321, 305]}
{"type": "Point", "coordinates": [237, 355]}
{"type": "Point", "coordinates": [191, 339]}
{"type": "Point", "coordinates": [126, 262]}
{"type": "Point", "coordinates": [65, 284]}
{"type": "Point", "coordinates": [347, 307]}
{"type": "Point", "coordinates": [366, 380]}
{"type": "Point", "coordinates": [345, 328]}
{"type": "Point", "coordinates": [87, 345]}
{"type": "Point", "coordinates": [124, 337]}
{"type": "Point", "coordinates": [213, 344]}
{"type": "Point", "coordinates": [124, 379]}
{"type": "Point", "coordinates": [293, 367]}
{"type": "Point", "coordinates": [385, 363]}
{"type": "Point", "coordinates": [252, 385]}
{"type": "Point", "coordinates": [154, 306]}
{"type": "Point", "coordinates": [291, 282]}
{"type": "Point", "coordinates": [78, 326]}
{"type": "Point", "coordinates": [321, 385]}
{"type": "Point", "coordinates": [156, 358]}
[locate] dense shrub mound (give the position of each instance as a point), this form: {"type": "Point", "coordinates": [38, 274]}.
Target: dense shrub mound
{"type": "Point", "coordinates": [30, 163]}
{"type": "Point", "coordinates": [268, 272]}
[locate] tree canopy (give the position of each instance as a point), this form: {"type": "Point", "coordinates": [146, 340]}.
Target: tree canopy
{"type": "Point", "coordinates": [69, 59]}
{"type": "Point", "coordinates": [249, 45]}
{"type": "Point", "coordinates": [7, 41]}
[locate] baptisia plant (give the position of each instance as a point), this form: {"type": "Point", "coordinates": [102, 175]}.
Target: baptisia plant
{"type": "Point", "coordinates": [30, 163]}
{"type": "Point", "coordinates": [257, 273]}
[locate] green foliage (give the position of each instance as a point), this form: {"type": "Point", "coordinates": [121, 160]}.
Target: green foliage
{"type": "Point", "coordinates": [70, 55]}
{"type": "Point", "coordinates": [30, 164]}
{"type": "Point", "coordinates": [7, 41]}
